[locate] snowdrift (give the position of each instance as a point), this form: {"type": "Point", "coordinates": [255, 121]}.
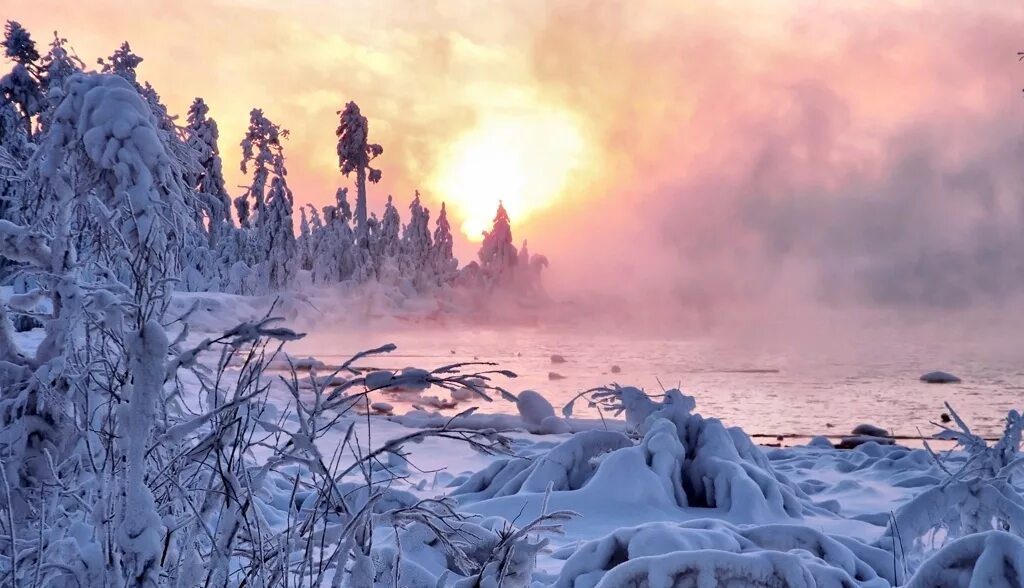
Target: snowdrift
{"type": "Point", "coordinates": [714, 553]}
{"type": "Point", "coordinates": [686, 461]}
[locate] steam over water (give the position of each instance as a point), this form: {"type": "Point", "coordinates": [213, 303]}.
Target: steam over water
{"type": "Point", "coordinates": [772, 389]}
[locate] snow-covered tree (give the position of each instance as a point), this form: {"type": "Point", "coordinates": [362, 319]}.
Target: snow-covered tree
{"type": "Point", "coordinates": [122, 62]}
{"type": "Point", "coordinates": [498, 256]}
{"type": "Point", "coordinates": [21, 86]}
{"type": "Point", "coordinates": [261, 150]}
{"type": "Point", "coordinates": [355, 154]}
{"type": "Point", "coordinates": [304, 242]}
{"type": "Point", "coordinates": [202, 136]}
{"type": "Point", "coordinates": [334, 255]}
{"type": "Point", "coordinates": [443, 264]}
{"type": "Point", "coordinates": [272, 256]}
{"type": "Point", "coordinates": [59, 65]}
{"type": "Point", "coordinates": [387, 243]}
{"type": "Point", "coordinates": [101, 153]}
{"type": "Point", "coordinates": [416, 246]}
{"type": "Point", "coordinates": [276, 238]}
{"type": "Point", "coordinates": [18, 44]}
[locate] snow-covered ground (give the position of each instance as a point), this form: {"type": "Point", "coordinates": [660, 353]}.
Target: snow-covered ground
{"type": "Point", "coordinates": [658, 496]}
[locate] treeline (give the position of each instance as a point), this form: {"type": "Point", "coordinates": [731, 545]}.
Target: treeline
{"type": "Point", "coordinates": [249, 243]}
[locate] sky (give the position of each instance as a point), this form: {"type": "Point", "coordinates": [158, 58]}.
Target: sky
{"type": "Point", "coordinates": [725, 156]}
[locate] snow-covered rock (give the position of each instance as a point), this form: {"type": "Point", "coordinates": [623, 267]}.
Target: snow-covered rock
{"type": "Point", "coordinates": [820, 442]}
{"type": "Point", "coordinates": [870, 430]}
{"type": "Point", "coordinates": [533, 407]}
{"type": "Point", "coordinates": [939, 377]}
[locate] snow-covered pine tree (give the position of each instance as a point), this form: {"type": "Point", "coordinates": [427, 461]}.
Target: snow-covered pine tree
{"type": "Point", "coordinates": [122, 62]}
{"type": "Point", "coordinates": [262, 150]}
{"type": "Point", "coordinates": [443, 264]}
{"type": "Point", "coordinates": [276, 238]}
{"type": "Point", "coordinates": [334, 255]}
{"type": "Point", "coordinates": [388, 244]}
{"type": "Point", "coordinates": [18, 44]}
{"type": "Point", "coordinates": [202, 135]}
{"type": "Point", "coordinates": [354, 155]}
{"type": "Point", "coordinates": [498, 256]}
{"type": "Point", "coordinates": [528, 273]}
{"type": "Point", "coordinates": [57, 65]}
{"type": "Point", "coordinates": [304, 243]}
{"type": "Point", "coordinates": [21, 86]}
{"type": "Point", "coordinates": [272, 255]}
{"type": "Point", "coordinates": [416, 246]}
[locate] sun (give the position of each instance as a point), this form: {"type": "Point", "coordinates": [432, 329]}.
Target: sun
{"type": "Point", "coordinates": [523, 161]}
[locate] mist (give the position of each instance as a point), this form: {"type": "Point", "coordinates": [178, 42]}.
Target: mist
{"type": "Point", "coordinates": [814, 161]}
{"type": "Point", "coordinates": [746, 161]}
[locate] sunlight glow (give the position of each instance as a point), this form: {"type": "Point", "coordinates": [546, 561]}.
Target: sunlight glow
{"type": "Point", "coordinates": [525, 162]}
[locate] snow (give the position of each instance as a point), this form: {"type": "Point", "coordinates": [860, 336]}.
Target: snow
{"type": "Point", "coordinates": [165, 438]}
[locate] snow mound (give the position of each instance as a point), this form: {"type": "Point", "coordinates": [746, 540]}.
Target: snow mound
{"type": "Point", "coordinates": [538, 415]}
{"type": "Point", "coordinates": [709, 552]}
{"type": "Point", "coordinates": [939, 377]}
{"type": "Point", "coordinates": [568, 466]}
{"type": "Point", "coordinates": [984, 560]}
{"type": "Point", "coordinates": [683, 461]}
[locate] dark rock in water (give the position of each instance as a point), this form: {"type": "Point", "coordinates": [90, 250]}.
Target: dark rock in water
{"type": "Point", "coordinates": [555, 376]}
{"type": "Point", "coordinates": [940, 378]}
{"type": "Point", "coordinates": [944, 418]}
{"type": "Point", "coordinates": [557, 359]}
{"type": "Point", "coordinates": [858, 440]}
{"type": "Point", "coordinates": [616, 369]}
{"type": "Point", "coordinates": [870, 430]}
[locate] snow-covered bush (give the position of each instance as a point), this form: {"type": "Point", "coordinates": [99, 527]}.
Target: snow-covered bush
{"type": "Point", "coordinates": [976, 497]}
{"type": "Point", "coordinates": [568, 466]}
{"type": "Point", "coordinates": [698, 461]}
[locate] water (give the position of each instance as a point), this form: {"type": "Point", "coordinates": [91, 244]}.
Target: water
{"type": "Point", "coordinates": [818, 387]}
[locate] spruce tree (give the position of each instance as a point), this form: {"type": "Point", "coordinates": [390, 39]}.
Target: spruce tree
{"type": "Point", "coordinates": [354, 155]}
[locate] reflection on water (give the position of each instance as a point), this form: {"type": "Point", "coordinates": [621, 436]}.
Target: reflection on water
{"type": "Point", "coordinates": [805, 391]}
